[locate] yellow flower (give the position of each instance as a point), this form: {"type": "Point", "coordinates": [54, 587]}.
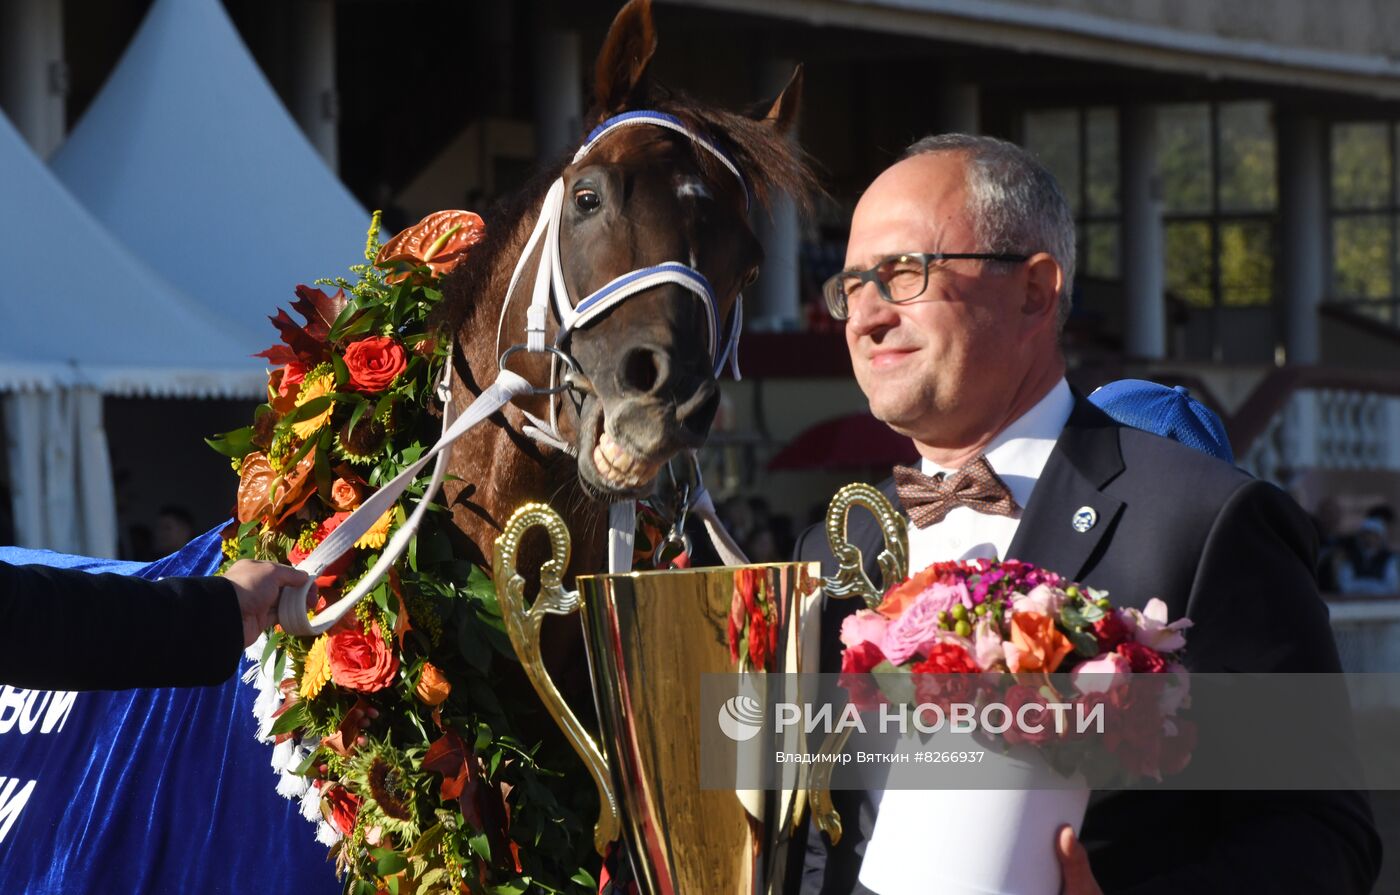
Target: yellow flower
{"type": "Point", "coordinates": [378, 533]}
{"type": "Point", "coordinates": [310, 390]}
{"type": "Point", "coordinates": [317, 669]}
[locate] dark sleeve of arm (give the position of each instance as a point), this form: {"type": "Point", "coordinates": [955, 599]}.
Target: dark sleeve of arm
{"type": "Point", "coordinates": [68, 630]}
{"type": "Point", "coordinates": [1256, 608]}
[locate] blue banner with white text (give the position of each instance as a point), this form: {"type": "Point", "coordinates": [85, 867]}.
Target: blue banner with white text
{"type": "Point", "coordinates": [149, 792]}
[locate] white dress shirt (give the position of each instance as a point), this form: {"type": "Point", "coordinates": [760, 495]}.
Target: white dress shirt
{"type": "Point", "coordinates": [1018, 455]}
{"type": "Point", "coordinates": [900, 858]}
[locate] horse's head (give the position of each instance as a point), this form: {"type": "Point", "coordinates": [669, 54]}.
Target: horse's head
{"type": "Point", "coordinates": [642, 196]}
{"type": "Point", "coordinates": [633, 266]}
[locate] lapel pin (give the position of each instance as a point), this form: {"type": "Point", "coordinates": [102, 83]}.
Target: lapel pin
{"type": "Point", "coordinates": [1084, 519]}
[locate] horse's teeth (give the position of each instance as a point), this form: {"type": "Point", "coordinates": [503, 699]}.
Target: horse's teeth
{"type": "Point", "coordinates": [618, 466]}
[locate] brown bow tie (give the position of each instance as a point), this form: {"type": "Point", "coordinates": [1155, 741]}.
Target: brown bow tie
{"type": "Point", "coordinates": [927, 499]}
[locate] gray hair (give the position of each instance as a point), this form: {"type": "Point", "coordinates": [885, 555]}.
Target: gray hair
{"type": "Point", "coordinates": [1015, 203]}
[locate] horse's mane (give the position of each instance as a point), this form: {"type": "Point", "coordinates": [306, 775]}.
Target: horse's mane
{"type": "Point", "coordinates": [773, 165]}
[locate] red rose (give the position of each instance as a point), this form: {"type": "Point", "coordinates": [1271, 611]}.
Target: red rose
{"type": "Point", "coordinates": [933, 682]}
{"type": "Point", "coordinates": [1143, 659]}
{"type": "Point", "coordinates": [361, 661]}
{"type": "Point", "coordinates": [1110, 631]}
{"type": "Point", "coordinates": [1021, 695]}
{"type": "Point", "coordinates": [758, 639]}
{"type": "Point", "coordinates": [856, 662]}
{"type": "Point", "coordinates": [1137, 740]}
{"type": "Point", "coordinates": [374, 363]}
{"type": "Point", "coordinates": [332, 572]}
{"type": "Point", "coordinates": [341, 807]}
{"type": "Point", "coordinates": [293, 374]}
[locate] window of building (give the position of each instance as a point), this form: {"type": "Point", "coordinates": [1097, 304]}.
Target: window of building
{"type": "Point", "coordinates": [1080, 147]}
{"type": "Point", "coordinates": [1219, 188]}
{"type": "Point", "coordinates": [1365, 254]}
{"type": "Point", "coordinates": [1220, 197]}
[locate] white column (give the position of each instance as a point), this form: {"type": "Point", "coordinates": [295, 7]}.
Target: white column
{"type": "Point", "coordinates": [33, 76]}
{"type": "Point", "coordinates": [958, 108]}
{"type": "Point", "coordinates": [558, 93]}
{"type": "Point", "coordinates": [778, 290]}
{"type": "Point", "coordinates": [1145, 317]}
{"type": "Point", "coordinates": [1302, 181]}
{"type": "Point", "coordinates": [315, 102]}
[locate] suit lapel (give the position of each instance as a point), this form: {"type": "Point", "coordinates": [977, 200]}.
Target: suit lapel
{"type": "Point", "coordinates": [1085, 459]}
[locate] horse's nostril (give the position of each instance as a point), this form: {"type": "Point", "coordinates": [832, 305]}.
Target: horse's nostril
{"type": "Point", "coordinates": [643, 369]}
{"type": "Point", "coordinates": [698, 415]}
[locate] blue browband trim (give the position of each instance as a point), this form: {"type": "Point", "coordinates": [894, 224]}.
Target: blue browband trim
{"type": "Point", "coordinates": [717, 145]}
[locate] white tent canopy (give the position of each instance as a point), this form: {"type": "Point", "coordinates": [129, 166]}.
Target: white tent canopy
{"type": "Point", "coordinates": [83, 318]}
{"type": "Point", "coordinates": [80, 309]}
{"type": "Point", "coordinates": [189, 157]}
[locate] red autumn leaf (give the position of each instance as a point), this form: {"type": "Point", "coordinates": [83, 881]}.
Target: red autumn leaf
{"type": "Point", "coordinates": [319, 309]}
{"type": "Point", "coordinates": [448, 755]}
{"type": "Point", "coordinates": [306, 344]}
{"type": "Point", "coordinates": [304, 347]}
{"type": "Point", "coordinates": [352, 725]}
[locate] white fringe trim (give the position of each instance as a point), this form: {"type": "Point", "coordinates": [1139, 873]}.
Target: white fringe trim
{"type": "Point", "coordinates": [327, 834]}
{"type": "Point", "coordinates": [311, 804]}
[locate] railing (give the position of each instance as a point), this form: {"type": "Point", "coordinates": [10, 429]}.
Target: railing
{"type": "Point", "coordinates": [1367, 632]}
{"type": "Point", "coordinates": [1313, 418]}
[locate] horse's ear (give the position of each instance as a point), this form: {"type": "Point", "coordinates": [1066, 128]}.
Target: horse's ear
{"type": "Point", "coordinates": [622, 63]}
{"type": "Point", "coordinates": [783, 113]}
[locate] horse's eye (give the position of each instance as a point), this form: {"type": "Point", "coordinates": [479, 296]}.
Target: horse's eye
{"type": "Point", "coordinates": [587, 200]}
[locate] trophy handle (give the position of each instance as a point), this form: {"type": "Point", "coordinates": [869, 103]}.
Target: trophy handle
{"type": "Point", "coordinates": [523, 625]}
{"type": "Point", "coordinates": [819, 789]}
{"type": "Point", "coordinates": [850, 579]}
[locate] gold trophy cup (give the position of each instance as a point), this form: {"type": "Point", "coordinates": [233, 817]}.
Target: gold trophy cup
{"type": "Point", "coordinates": [651, 636]}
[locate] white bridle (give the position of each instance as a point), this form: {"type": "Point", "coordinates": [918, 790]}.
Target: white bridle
{"type": "Point", "coordinates": [550, 290]}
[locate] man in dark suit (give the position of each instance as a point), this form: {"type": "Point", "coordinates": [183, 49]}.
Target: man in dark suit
{"type": "Point", "coordinates": [957, 286]}
{"type": "Point", "coordinates": [68, 630]}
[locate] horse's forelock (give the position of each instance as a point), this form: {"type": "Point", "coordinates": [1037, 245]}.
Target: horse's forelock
{"type": "Point", "coordinates": [772, 164]}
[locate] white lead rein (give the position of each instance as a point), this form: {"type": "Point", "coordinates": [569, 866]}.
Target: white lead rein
{"type": "Point", "coordinates": [291, 610]}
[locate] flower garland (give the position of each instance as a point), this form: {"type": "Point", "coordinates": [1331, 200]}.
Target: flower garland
{"type": "Point", "coordinates": [391, 728]}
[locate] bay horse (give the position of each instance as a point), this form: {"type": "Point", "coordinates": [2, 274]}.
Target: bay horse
{"type": "Point", "coordinates": [644, 377]}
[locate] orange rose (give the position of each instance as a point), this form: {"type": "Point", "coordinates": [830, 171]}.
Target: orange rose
{"type": "Point", "coordinates": [902, 595]}
{"type": "Point", "coordinates": [1037, 644]}
{"type": "Point", "coordinates": [344, 494]}
{"type": "Point", "coordinates": [433, 687]}
{"type": "Point", "coordinates": [441, 241]}
{"type": "Point", "coordinates": [361, 661]}
{"type": "Point", "coordinates": [374, 363]}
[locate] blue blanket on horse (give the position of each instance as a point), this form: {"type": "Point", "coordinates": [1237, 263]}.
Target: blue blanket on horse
{"type": "Point", "coordinates": [146, 791]}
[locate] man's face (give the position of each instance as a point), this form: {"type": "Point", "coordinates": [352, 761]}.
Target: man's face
{"type": "Point", "coordinates": [939, 366]}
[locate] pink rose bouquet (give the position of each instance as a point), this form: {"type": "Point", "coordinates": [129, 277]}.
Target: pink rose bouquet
{"type": "Point", "coordinates": [982, 631]}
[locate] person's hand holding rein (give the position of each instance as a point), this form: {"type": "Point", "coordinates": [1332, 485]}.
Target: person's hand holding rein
{"type": "Point", "coordinates": [259, 584]}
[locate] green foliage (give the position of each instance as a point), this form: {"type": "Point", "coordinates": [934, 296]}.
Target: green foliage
{"type": "Point", "coordinates": [435, 609]}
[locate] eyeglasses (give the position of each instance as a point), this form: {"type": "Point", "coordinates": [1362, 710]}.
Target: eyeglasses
{"type": "Point", "coordinates": [897, 278]}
